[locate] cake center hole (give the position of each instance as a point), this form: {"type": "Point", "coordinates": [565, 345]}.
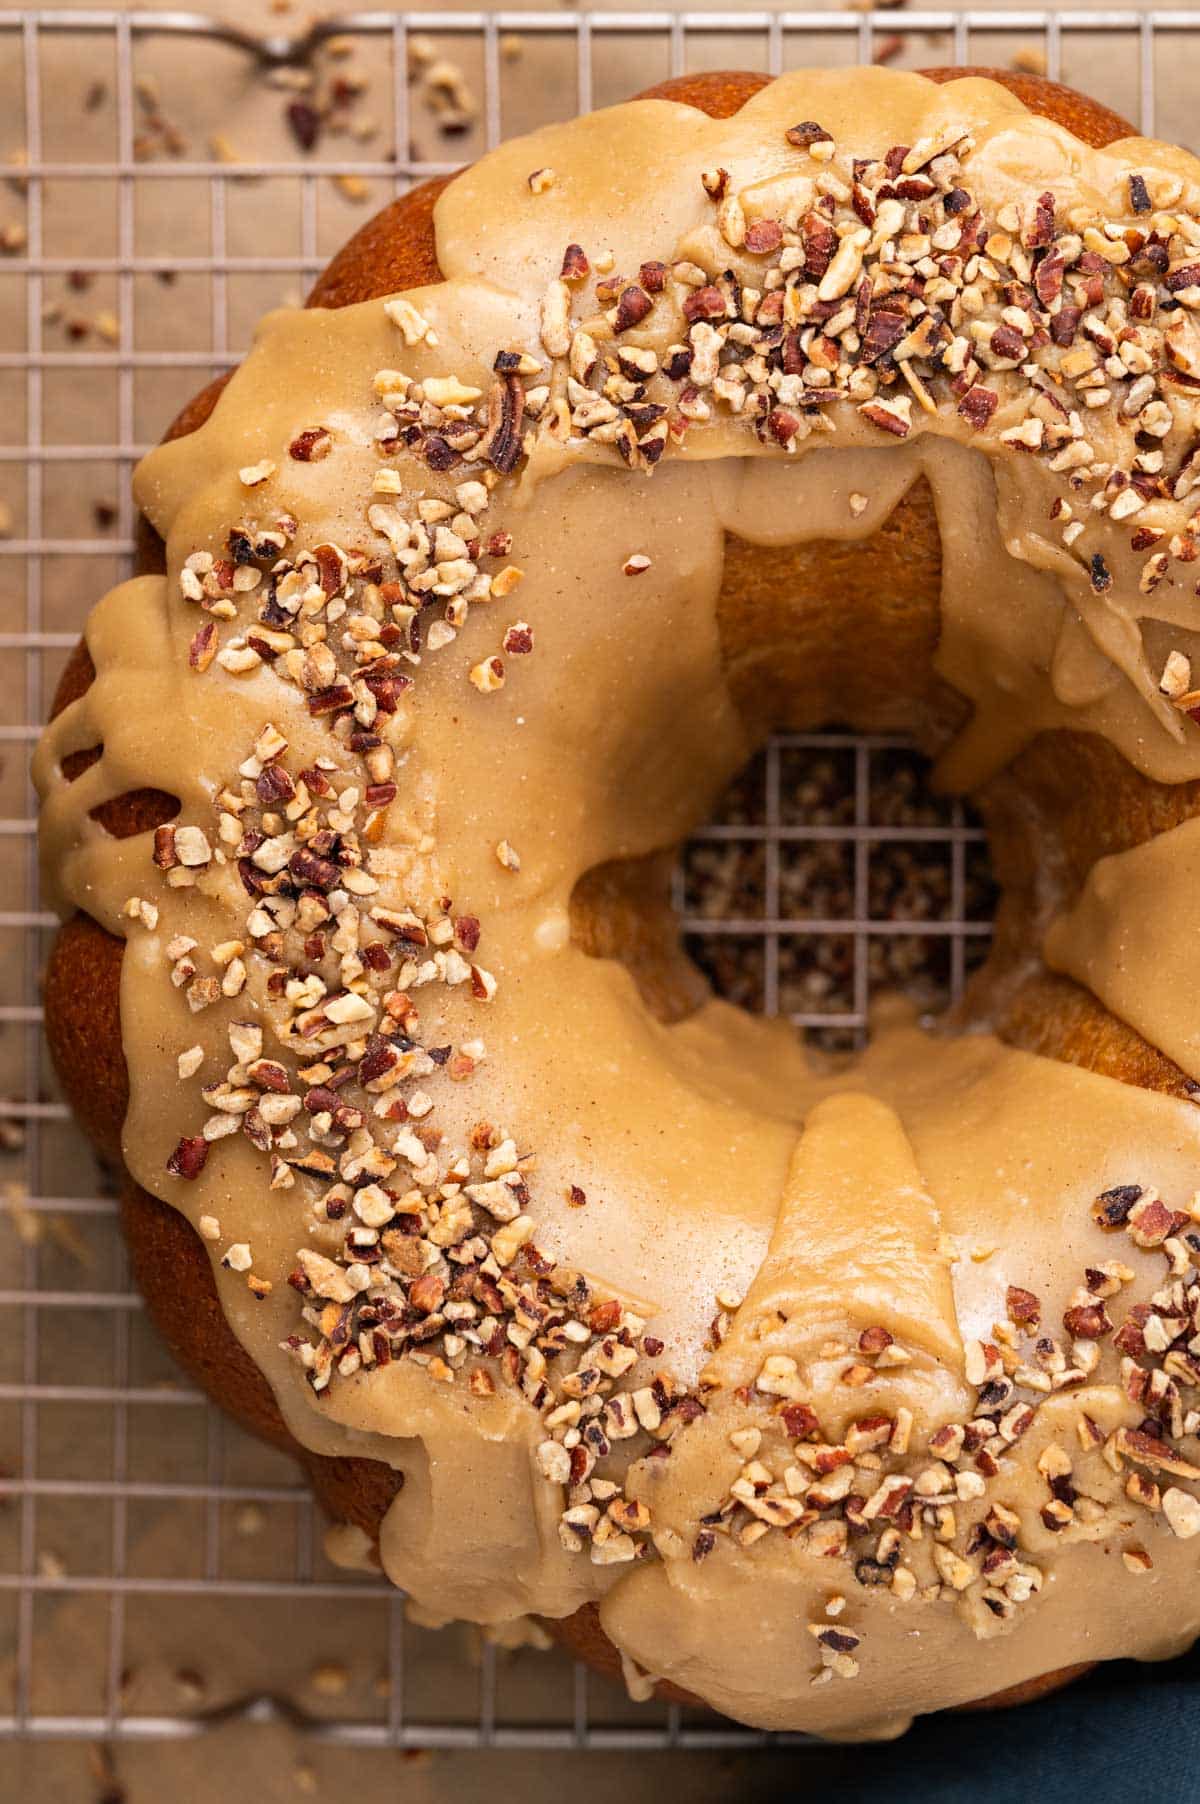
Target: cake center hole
{"type": "Point", "coordinates": [830, 873]}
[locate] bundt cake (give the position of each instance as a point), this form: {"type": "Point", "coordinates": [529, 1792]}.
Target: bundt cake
{"type": "Point", "coordinates": [825, 1396]}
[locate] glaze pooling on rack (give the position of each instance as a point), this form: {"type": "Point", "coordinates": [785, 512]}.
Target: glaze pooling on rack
{"type": "Point", "coordinates": [982, 1161]}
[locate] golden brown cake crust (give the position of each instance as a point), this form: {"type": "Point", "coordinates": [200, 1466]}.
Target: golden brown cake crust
{"type": "Point", "coordinates": [396, 250]}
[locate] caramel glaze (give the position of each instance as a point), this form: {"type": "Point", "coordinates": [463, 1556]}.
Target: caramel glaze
{"type": "Point", "coordinates": [800, 637]}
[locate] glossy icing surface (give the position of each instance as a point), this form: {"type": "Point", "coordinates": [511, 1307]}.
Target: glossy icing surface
{"type": "Point", "coordinates": [864, 1240]}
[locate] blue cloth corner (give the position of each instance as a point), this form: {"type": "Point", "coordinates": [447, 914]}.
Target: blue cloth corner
{"type": "Point", "coordinates": [1127, 1732]}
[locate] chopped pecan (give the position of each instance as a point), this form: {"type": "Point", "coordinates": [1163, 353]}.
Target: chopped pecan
{"type": "Point", "coordinates": [978, 405]}
{"type": "Point", "coordinates": [575, 266]}
{"type": "Point", "coordinates": [311, 445]}
{"type": "Point", "coordinates": [806, 133]}
{"type": "Point", "coordinates": [1087, 1321]}
{"type": "Point", "coordinates": [1024, 1308]}
{"type": "Point", "coordinates": [632, 307]}
{"type": "Point", "coordinates": [501, 442]}
{"type": "Point", "coordinates": [763, 237]}
{"type": "Point", "coordinates": [188, 1159]}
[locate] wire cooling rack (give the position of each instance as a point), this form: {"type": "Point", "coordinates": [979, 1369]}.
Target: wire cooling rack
{"type": "Point", "coordinates": [159, 1571]}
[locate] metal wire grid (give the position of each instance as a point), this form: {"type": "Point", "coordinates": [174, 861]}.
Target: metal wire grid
{"type": "Point", "coordinates": [844, 1018]}
{"type": "Point", "coordinates": [578, 1715]}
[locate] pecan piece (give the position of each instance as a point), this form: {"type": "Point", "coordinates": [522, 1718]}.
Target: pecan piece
{"type": "Point", "coordinates": [312, 871]}
{"type": "Point", "coordinates": [501, 442]}
{"type": "Point", "coordinates": [1048, 277]}
{"type": "Point", "coordinates": [1111, 1208]}
{"type": "Point", "coordinates": [704, 303]}
{"type": "Point", "coordinates": [575, 266]}
{"type": "Point", "coordinates": [1024, 1308]}
{"type": "Point", "coordinates": [311, 445]}
{"type": "Point", "coordinates": [763, 237]}
{"type": "Point", "coordinates": [518, 639]}
{"type": "Point", "coordinates": [1087, 1321]}
{"type": "Point", "coordinates": [632, 307]}
{"type": "Point", "coordinates": [165, 856]}
{"type": "Point", "coordinates": [1184, 275]}
{"type": "Point", "coordinates": [304, 123]}
{"type": "Point", "coordinates": [1040, 230]}
{"type": "Point", "coordinates": [188, 1159]}
{"type": "Point", "coordinates": [820, 243]}
{"type": "Point", "coordinates": [203, 647]}
{"type": "Point", "coordinates": [884, 331]}
{"type": "Point", "coordinates": [806, 133]}
{"type": "Point", "coordinates": [978, 405]}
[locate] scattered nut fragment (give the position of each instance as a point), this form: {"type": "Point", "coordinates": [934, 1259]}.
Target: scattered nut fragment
{"type": "Point", "coordinates": [518, 639]}
{"type": "Point", "coordinates": [250, 1519]}
{"type": "Point", "coordinates": [191, 847]}
{"type": "Point", "coordinates": [507, 856]}
{"type": "Point", "coordinates": [330, 1679]}
{"type": "Point", "coordinates": [188, 1158]}
{"type": "Point", "coordinates": [222, 150]}
{"type": "Point", "coordinates": [541, 180]}
{"type": "Point", "coordinates": [731, 221]}
{"type": "Point", "coordinates": [354, 187]}
{"type": "Point", "coordinates": [1182, 1511]}
{"type": "Point", "coordinates": [505, 581]}
{"type": "Point", "coordinates": [804, 136]}
{"type": "Point", "coordinates": [415, 328]}
{"type": "Point", "coordinates": [311, 445]}
{"type": "Point", "coordinates": [250, 475]}
{"type": "Point", "coordinates": [488, 676]}
{"type": "Point", "coordinates": [1030, 59]}
{"type": "Point", "coordinates": [448, 391]}
{"type": "Point", "coordinates": [138, 909]}
{"type": "Point", "coordinates": [637, 564]}
{"type": "Point", "coordinates": [1176, 678]}
{"type": "Point", "coordinates": [508, 1240]}
{"type": "Point", "coordinates": [556, 319]}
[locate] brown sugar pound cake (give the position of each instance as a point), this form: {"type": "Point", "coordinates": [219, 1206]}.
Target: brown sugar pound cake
{"type": "Point", "coordinates": [824, 1397]}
